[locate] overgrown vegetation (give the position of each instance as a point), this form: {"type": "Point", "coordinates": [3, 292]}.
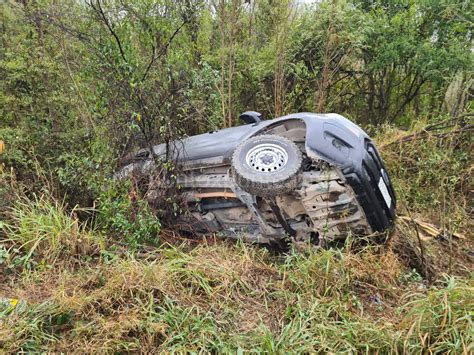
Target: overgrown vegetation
{"type": "Point", "coordinates": [225, 298]}
{"type": "Point", "coordinates": [88, 265]}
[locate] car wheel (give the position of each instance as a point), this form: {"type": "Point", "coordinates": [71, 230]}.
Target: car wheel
{"type": "Point", "coordinates": [267, 165]}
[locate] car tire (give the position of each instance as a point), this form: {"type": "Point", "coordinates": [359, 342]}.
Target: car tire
{"type": "Point", "coordinates": [267, 165]}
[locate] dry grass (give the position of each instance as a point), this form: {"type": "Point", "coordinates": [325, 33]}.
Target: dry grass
{"type": "Point", "coordinates": [222, 297]}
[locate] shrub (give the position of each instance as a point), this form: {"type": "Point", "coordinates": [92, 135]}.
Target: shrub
{"type": "Point", "coordinates": [122, 214]}
{"type": "Point", "coordinates": [431, 170]}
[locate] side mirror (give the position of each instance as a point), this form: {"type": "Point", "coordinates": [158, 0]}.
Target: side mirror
{"type": "Point", "coordinates": [251, 117]}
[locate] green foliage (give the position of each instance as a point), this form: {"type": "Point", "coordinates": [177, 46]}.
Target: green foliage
{"type": "Point", "coordinates": [125, 216]}
{"type": "Point", "coordinates": [84, 83]}
{"type": "Point", "coordinates": [87, 168]}
{"type": "Point", "coordinates": [326, 42]}
{"type": "Point", "coordinates": [406, 49]}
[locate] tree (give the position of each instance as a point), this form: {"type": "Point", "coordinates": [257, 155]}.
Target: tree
{"type": "Point", "coordinates": [410, 47]}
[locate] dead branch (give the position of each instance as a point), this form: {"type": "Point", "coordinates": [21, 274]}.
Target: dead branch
{"type": "Point", "coordinates": [427, 131]}
{"type": "Point", "coordinates": [428, 228]}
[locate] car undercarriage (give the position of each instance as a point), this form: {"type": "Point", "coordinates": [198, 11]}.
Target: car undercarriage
{"type": "Point", "coordinates": [271, 185]}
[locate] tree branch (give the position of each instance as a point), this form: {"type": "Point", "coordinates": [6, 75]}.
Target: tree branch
{"type": "Point", "coordinates": [163, 50]}
{"type": "Point", "coordinates": [98, 9]}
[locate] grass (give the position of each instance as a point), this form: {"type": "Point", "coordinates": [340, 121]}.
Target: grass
{"type": "Point", "coordinates": [66, 288]}
{"type": "Point", "coordinates": [41, 227]}
{"type": "Point", "coordinates": [226, 298]}
{"type": "Point", "coordinates": [442, 318]}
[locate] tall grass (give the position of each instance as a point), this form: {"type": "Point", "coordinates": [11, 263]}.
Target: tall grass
{"type": "Point", "coordinates": [40, 227]}
{"type": "Point", "coordinates": [238, 298]}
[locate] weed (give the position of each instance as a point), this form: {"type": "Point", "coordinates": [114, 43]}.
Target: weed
{"type": "Point", "coordinates": [126, 217]}
{"type": "Point", "coordinates": [42, 230]}
{"type": "Point", "coordinates": [239, 298]}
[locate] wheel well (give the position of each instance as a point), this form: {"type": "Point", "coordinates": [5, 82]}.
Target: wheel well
{"type": "Point", "coordinates": [294, 130]}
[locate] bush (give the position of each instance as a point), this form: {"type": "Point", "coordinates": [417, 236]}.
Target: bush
{"type": "Point", "coordinates": [431, 170]}
{"type": "Point", "coordinates": [125, 216]}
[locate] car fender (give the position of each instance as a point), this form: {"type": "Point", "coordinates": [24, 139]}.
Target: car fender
{"type": "Point", "coordinates": [330, 137]}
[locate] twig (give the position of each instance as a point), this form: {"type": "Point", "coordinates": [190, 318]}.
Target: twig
{"type": "Point", "coordinates": [425, 133]}
{"type": "Point", "coordinates": [100, 11]}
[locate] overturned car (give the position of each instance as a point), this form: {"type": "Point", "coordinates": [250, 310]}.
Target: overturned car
{"type": "Point", "coordinates": [305, 177]}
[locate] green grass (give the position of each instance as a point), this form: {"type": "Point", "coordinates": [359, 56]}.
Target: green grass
{"type": "Point", "coordinates": [42, 230]}
{"type": "Point", "coordinates": [231, 298]}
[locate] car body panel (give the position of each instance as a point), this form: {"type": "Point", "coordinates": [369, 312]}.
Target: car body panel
{"type": "Point", "coordinates": [322, 129]}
